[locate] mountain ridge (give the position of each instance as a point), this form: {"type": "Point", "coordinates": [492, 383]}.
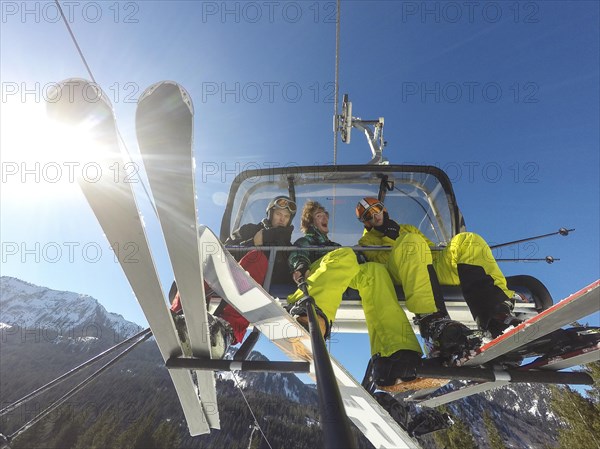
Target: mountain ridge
{"type": "Point", "coordinates": [29, 306]}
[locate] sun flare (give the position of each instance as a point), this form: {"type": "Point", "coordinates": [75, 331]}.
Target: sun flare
{"type": "Point", "coordinates": [41, 157]}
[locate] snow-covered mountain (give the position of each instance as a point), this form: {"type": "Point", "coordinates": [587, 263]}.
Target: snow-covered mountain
{"type": "Point", "coordinates": [25, 307]}
{"type": "Point", "coordinates": [521, 412]}
{"type": "Point", "coordinates": [279, 384]}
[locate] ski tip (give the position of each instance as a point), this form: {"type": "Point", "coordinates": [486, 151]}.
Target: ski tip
{"type": "Point", "coordinates": [164, 89]}
{"type": "Point", "coordinates": [74, 91]}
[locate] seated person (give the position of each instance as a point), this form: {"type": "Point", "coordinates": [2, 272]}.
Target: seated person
{"type": "Point", "coordinates": [328, 273]}
{"type": "Point", "coordinates": [228, 326]}
{"type": "Point", "coordinates": [467, 261]}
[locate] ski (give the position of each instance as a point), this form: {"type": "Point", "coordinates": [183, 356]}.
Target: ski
{"type": "Point", "coordinates": [82, 105]}
{"type": "Point", "coordinates": [580, 304]}
{"type": "Point", "coordinates": [576, 358]}
{"type": "Point", "coordinates": [164, 127]}
{"type": "Point", "coordinates": [568, 360]}
{"type": "Point", "coordinates": [232, 283]}
{"type": "Point", "coordinates": [482, 374]}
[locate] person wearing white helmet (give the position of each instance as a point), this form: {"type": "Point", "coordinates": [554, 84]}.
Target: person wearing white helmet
{"type": "Point", "coordinates": [228, 326]}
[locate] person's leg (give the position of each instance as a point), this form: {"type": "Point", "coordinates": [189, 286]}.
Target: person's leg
{"type": "Point", "coordinates": [329, 279]}
{"type": "Point", "coordinates": [387, 324]}
{"type": "Point", "coordinates": [256, 264]}
{"type": "Point", "coordinates": [411, 265]}
{"type": "Point", "coordinates": [468, 261]}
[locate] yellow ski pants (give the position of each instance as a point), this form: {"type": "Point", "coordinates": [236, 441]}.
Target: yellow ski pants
{"type": "Point", "coordinates": [387, 324]}
{"type": "Point", "coordinates": [411, 255]}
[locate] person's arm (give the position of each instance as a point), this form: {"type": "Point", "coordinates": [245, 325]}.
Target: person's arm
{"type": "Point", "coordinates": [299, 260]}
{"type": "Point", "coordinates": [245, 235]}
{"type": "Point", "coordinates": [280, 236]}
{"type": "Point", "coordinates": [375, 238]}
{"type": "Point", "coordinates": [415, 230]}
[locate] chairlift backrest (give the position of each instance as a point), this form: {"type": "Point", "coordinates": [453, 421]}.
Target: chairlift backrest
{"type": "Point", "coordinates": [414, 194]}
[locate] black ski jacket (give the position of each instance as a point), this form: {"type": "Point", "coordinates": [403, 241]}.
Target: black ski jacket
{"type": "Point", "coordinates": [280, 236]}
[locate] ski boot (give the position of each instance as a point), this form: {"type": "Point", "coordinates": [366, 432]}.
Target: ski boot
{"type": "Point", "coordinates": [299, 312]}
{"type": "Point", "coordinates": [221, 336]}
{"type": "Point", "coordinates": [182, 333]}
{"type": "Point", "coordinates": [445, 338]}
{"type": "Point", "coordinates": [428, 421]}
{"type": "Point", "coordinates": [398, 372]}
{"type": "Point", "coordinates": [499, 319]}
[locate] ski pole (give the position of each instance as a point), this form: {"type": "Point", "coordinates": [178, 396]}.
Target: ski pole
{"type": "Point", "coordinates": [547, 259]}
{"type": "Point", "coordinates": [336, 431]}
{"type": "Point", "coordinates": [561, 231]}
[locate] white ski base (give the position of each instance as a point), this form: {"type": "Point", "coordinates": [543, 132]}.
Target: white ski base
{"type": "Point", "coordinates": [166, 147]}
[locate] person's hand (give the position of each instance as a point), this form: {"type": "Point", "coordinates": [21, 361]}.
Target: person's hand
{"type": "Point", "coordinates": [280, 235]}
{"type": "Point", "coordinates": [258, 238]}
{"type": "Point", "coordinates": [298, 276]}
{"type": "Point", "coordinates": [389, 228]}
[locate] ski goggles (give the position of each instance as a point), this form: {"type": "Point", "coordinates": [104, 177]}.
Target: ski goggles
{"type": "Point", "coordinates": [283, 203]}
{"type": "Point", "coordinates": [370, 212]}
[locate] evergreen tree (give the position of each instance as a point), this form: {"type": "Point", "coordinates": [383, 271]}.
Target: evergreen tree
{"type": "Point", "coordinates": [66, 429]}
{"type": "Point", "coordinates": [101, 434]}
{"type": "Point", "coordinates": [494, 439]}
{"type": "Point", "coordinates": [138, 435]}
{"type": "Point", "coordinates": [456, 437]}
{"type": "Point", "coordinates": [594, 370]}
{"type": "Point", "coordinates": [165, 436]}
{"type": "Point", "coordinates": [580, 415]}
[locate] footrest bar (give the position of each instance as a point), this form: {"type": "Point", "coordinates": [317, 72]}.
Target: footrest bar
{"type": "Point", "coordinates": [237, 365]}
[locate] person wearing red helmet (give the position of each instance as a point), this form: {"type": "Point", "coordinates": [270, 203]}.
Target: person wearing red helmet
{"type": "Point", "coordinates": [227, 325]}
{"type": "Point", "coordinates": [467, 261]}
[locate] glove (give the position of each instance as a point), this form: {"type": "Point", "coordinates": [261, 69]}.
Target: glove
{"type": "Point", "coordinates": [278, 236]}
{"type": "Point", "coordinates": [389, 228]}
{"type": "Point", "coordinates": [302, 268]}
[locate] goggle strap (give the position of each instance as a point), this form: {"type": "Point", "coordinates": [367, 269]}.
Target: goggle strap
{"type": "Point", "coordinates": [368, 208]}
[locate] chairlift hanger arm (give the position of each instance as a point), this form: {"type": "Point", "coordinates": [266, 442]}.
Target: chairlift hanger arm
{"type": "Point", "coordinates": [344, 123]}
{"type": "Point", "coordinates": [374, 137]}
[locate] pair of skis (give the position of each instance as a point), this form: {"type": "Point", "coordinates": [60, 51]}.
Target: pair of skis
{"type": "Point", "coordinates": [164, 123]}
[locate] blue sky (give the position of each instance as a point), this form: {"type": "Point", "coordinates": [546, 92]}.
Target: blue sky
{"type": "Point", "coordinates": [502, 95]}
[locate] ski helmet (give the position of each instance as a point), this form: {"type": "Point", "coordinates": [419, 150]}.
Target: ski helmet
{"type": "Point", "coordinates": [282, 202]}
{"type": "Point", "coordinates": [368, 207]}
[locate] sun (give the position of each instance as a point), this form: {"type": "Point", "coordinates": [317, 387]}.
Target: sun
{"type": "Point", "coordinates": [38, 157]}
